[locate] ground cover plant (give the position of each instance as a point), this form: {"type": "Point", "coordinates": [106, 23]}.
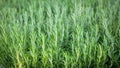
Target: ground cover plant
{"type": "Point", "coordinates": [59, 33]}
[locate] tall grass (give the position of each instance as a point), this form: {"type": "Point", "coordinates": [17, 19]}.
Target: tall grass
{"type": "Point", "coordinates": [59, 33]}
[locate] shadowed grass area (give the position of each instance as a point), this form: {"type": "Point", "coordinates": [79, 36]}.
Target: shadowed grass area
{"type": "Point", "coordinates": [59, 34]}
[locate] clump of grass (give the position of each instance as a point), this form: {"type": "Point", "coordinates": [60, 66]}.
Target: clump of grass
{"type": "Point", "coordinates": [59, 34]}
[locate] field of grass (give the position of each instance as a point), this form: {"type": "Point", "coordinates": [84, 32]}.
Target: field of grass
{"type": "Point", "coordinates": [59, 33]}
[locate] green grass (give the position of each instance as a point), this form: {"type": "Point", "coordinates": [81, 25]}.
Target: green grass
{"type": "Point", "coordinates": [59, 33]}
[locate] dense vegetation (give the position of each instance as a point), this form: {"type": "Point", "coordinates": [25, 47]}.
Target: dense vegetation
{"type": "Point", "coordinates": [59, 33]}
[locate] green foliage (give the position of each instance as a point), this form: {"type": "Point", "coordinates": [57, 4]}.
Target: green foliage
{"type": "Point", "coordinates": [59, 33]}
